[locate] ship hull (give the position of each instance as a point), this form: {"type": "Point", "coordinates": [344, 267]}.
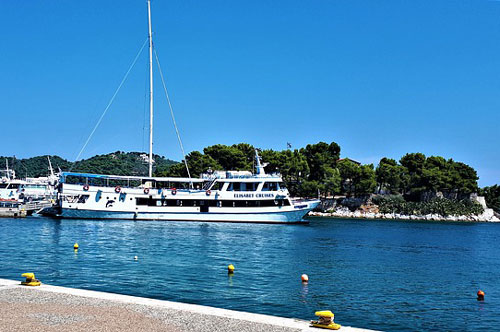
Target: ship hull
{"type": "Point", "coordinates": [293, 216]}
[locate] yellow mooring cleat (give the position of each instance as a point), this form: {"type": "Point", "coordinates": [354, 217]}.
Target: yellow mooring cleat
{"type": "Point", "coordinates": [325, 320]}
{"type": "Point", "coordinates": [30, 280]}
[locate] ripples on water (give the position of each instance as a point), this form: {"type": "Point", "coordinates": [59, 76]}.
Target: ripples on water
{"type": "Point", "coordinates": [385, 275]}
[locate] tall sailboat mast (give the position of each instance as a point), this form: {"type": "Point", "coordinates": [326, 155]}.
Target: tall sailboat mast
{"type": "Point", "coordinates": [150, 92]}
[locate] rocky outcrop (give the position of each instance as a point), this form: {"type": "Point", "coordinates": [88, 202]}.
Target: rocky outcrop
{"type": "Point", "coordinates": [360, 214]}
{"type": "Point", "coordinates": [363, 208]}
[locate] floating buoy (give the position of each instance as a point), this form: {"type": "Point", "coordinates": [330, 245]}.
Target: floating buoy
{"type": "Point", "coordinates": [30, 279]}
{"type": "Point", "coordinates": [325, 320]}
{"type": "Point", "coordinates": [75, 246]}
{"type": "Point", "coordinates": [304, 278]}
{"type": "Point", "coordinates": [230, 269]}
{"type": "Point", "coordinates": [480, 295]}
{"type": "Point", "coordinates": [136, 258]}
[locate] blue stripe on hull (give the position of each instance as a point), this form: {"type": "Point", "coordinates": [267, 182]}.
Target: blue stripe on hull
{"type": "Point", "coordinates": [278, 217]}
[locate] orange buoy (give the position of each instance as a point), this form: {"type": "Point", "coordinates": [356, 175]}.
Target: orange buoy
{"type": "Point", "coordinates": [480, 295]}
{"type": "Point", "coordinates": [304, 278]}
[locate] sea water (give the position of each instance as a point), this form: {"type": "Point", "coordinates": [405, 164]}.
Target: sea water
{"type": "Point", "coordinates": [386, 275]}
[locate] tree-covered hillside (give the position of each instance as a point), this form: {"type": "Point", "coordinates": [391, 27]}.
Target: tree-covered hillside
{"type": "Point", "coordinates": [118, 163]}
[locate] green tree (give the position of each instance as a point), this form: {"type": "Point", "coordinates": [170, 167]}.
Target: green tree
{"type": "Point", "coordinates": [492, 197]}
{"type": "Point", "coordinates": [463, 178]}
{"type": "Point", "coordinates": [356, 179]}
{"type": "Point", "coordinates": [348, 172]}
{"type": "Point", "coordinates": [365, 183]}
{"type": "Point", "coordinates": [413, 164]}
{"type": "Point", "coordinates": [229, 157]}
{"type": "Point", "coordinates": [198, 163]}
{"type": "Point", "coordinates": [291, 164]}
{"type": "Point", "coordinates": [389, 176]}
{"type": "Point", "coordinates": [319, 157]}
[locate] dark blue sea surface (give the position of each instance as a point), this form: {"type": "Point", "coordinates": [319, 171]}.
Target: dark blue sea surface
{"type": "Point", "coordinates": [386, 275]}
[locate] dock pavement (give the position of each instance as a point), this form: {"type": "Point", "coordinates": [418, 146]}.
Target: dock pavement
{"type": "Point", "coordinates": [52, 308]}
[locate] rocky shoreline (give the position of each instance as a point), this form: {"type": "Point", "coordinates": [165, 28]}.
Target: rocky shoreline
{"type": "Point", "coordinates": [486, 216]}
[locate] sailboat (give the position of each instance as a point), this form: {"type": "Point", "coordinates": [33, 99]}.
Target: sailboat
{"type": "Point", "coordinates": [217, 196]}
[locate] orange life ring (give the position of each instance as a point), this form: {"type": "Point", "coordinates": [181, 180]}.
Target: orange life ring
{"type": "Point", "coordinates": [174, 191]}
{"type": "Point", "coordinates": [208, 192]}
{"type": "Point", "coordinates": [118, 189]}
{"type": "Point", "coordinates": [86, 187]}
{"type": "Point", "coordinates": [146, 190]}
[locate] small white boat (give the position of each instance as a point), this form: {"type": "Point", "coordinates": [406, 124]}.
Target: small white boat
{"type": "Point", "coordinates": [28, 189]}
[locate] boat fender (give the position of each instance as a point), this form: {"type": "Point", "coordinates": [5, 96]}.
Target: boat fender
{"type": "Point", "coordinates": [98, 195]}
{"type": "Point", "coordinates": [174, 191]}
{"type": "Point", "coordinates": [118, 189]}
{"type": "Point", "coordinates": [86, 187]}
{"type": "Point", "coordinates": [208, 192]}
{"type": "Point", "coordinates": [146, 191]}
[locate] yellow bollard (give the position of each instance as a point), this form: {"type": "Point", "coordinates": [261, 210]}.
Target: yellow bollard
{"type": "Point", "coordinates": [30, 279]}
{"type": "Point", "coordinates": [325, 320]}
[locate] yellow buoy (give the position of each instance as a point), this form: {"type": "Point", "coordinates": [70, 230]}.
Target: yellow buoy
{"type": "Point", "coordinates": [75, 246]}
{"type": "Point", "coordinates": [230, 269]}
{"type": "Point", "coordinates": [325, 320]}
{"type": "Point", "coordinates": [30, 279]}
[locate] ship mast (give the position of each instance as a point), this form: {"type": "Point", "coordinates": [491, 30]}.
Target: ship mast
{"type": "Point", "coordinates": [150, 92]}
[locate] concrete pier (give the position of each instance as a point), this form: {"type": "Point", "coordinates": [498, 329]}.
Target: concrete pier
{"type": "Point", "coordinates": [53, 308]}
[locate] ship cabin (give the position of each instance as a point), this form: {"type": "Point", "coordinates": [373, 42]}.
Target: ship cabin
{"type": "Point", "coordinates": [216, 189]}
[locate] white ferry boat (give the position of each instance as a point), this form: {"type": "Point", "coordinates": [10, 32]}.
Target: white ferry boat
{"type": "Point", "coordinates": [224, 196]}
{"type": "Point", "coordinates": [28, 189]}
{"type": "Point", "coordinates": [229, 196]}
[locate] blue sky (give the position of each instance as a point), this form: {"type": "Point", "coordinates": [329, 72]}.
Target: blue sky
{"type": "Point", "coordinates": [380, 78]}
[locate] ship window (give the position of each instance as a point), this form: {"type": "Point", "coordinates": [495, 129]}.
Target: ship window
{"type": "Point", "coordinates": [249, 186]}
{"type": "Point", "coordinates": [270, 186]}
{"type": "Point", "coordinates": [252, 203]}
{"type": "Point", "coordinates": [234, 186]}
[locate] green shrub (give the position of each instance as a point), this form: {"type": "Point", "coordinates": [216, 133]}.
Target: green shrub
{"type": "Point", "coordinates": [441, 206]}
